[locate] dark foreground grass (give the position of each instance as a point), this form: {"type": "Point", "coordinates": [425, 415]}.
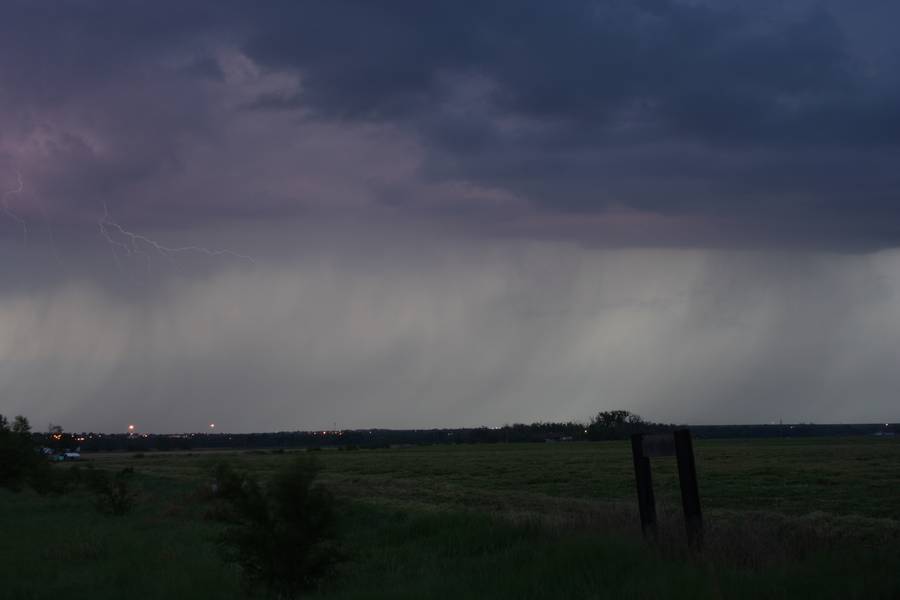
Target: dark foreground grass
{"type": "Point", "coordinates": [61, 548]}
{"type": "Point", "coordinates": [465, 555]}
{"type": "Point", "coordinates": [525, 521]}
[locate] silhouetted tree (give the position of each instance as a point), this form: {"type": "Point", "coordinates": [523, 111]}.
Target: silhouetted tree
{"type": "Point", "coordinates": [280, 533]}
{"type": "Point", "coordinates": [19, 458]}
{"type": "Point", "coordinates": [615, 425]}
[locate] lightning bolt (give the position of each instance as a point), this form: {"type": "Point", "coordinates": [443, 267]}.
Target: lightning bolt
{"type": "Point", "coordinates": [137, 242]}
{"type": "Point", "coordinates": [112, 243]}
{"type": "Point", "coordinates": [4, 206]}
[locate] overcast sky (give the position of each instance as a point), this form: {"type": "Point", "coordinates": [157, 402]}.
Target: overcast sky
{"type": "Point", "coordinates": [294, 214]}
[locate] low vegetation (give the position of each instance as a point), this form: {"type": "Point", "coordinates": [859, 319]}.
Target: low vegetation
{"type": "Point", "coordinates": [112, 491]}
{"type": "Point", "coordinates": [785, 519]}
{"type": "Point", "coordinates": [20, 463]}
{"type": "Point", "coordinates": [280, 532]}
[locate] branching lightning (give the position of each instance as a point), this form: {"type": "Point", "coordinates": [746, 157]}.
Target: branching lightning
{"type": "Point", "coordinates": [122, 242]}
{"type": "Point", "coordinates": [133, 243]}
{"type": "Point", "coordinates": [20, 187]}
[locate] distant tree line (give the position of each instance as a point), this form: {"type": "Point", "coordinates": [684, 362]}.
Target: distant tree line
{"type": "Point", "coordinates": [605, 425]}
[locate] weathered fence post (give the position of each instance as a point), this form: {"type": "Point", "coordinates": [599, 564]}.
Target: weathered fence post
{"type": "Point", "coordinates": [646, 501]}
{"type": "Point", "coordinates": [690, 494]}
{"type": "Point", "coordinates": [679, 443]}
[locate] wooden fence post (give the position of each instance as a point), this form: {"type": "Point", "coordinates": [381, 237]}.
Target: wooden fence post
{"type": "Point", "coordinates": [646, 501]}
{"type": "Point", "coordinates": [690, 494]}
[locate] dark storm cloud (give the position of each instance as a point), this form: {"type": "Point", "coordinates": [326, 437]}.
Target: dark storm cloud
{"type": "Point", "coordinates": [95, 99]}
{"type": "Point", "coordinates": [579, 61]}
{"type": "Point", "coordinates": [53, 49]}
{"type": "Point", "coordinates": [546, 99]}
{"type": "Point", "coordinates": [774, 122]}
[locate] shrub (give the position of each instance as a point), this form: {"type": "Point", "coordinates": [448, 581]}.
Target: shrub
{"type": "Point", "coordinates": [280, 534]}
{"type": "Point", "coordinates": [20, 461]}
{"type": "Point", "coordinates": [114, 495]}
{"type": "Point", "coordinates": [223, 493]}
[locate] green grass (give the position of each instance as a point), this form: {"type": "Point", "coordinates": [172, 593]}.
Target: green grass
{"type": "Point", "coordinates": [786, 518]}
{"type": "Point", "coordinates": [62, 547]}
{"type": "Point", "coordinates": [463, 555]}
{"type": "Point", "coordinates": [838, 476]}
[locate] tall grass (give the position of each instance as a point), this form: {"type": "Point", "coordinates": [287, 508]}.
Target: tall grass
{"type": "Point", "coordinates": [482, 523]}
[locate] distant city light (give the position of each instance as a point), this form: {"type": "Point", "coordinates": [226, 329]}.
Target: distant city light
{"type": "Point", "coordinates": [212, 425]}
{"type": "Point", "coordinates": [130, 428]}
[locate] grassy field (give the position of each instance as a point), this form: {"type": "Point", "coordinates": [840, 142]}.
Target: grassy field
{"type": "Point", "coordinates": [786, 519]}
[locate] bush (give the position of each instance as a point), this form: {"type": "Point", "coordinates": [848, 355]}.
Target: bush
{"type": "Point", "coordinates": [223, 493]}
{"type": "Point", "coordinates": [20, 461]}
{"type": "Point", "coordinates": [114, 495]}
{"type": "Point", "coordinates": [280, 534]}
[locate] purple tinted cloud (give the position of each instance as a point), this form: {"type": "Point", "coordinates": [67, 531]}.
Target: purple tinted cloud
{"type": "Point", "coordinates": [780, 125]}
